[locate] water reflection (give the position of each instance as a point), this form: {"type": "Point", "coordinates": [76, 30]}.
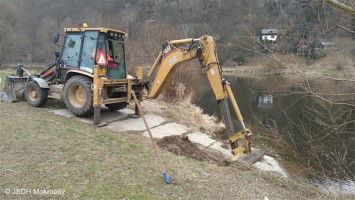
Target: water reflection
{"type": "Point", "coordinates": [265, 102]}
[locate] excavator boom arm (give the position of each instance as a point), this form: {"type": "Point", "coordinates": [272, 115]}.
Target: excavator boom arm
{"type": "Point", "coordinates": [169, 59]}
{"type": "Point", "coordinates": [204, 49]}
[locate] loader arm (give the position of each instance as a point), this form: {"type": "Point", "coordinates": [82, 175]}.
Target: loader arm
{"type": "Point", "coordinates": [204, 49]}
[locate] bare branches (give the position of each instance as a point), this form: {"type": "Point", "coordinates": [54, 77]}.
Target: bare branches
{"type": "Point", "coordinates": [346, 29]}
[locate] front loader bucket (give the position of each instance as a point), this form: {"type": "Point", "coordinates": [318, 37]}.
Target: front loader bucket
{"type": "Point", "coordinates": [14, 89]}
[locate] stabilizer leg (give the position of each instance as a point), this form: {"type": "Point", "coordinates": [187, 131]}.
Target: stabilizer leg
{"type": "Point", "coordinates": [97, 115]}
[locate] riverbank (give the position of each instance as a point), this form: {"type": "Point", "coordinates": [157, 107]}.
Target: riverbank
{"type": "Point", "coordinates": [270, 101]}
{"type": "Point", "coordinates": [318, 70]}
{"type": "Point", "coordinates": [315, 71]}
{"type": "Point", "coordinates": [58, 153]}
{"type": "Point", "coordinates": [41, 150]}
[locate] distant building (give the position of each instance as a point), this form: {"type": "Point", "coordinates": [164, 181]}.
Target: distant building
{"type": "Point", "coordinates": [325, 45]}
{"type": "Point", "coordinates": [303, 47]}
{"type": "Point", "coordinates": [269, 34]}
{"type": "Point", "coordinates": [325, 48]}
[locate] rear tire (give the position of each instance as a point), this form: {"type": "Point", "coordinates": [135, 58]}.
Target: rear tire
{"type": "Point", "coordinates": [35, 95]}
{"type": "Point", "coordinates": [78, 96]}
{"type": "Point", "coordinates": [116, 106]}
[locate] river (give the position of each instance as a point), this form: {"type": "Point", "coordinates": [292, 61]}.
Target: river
{"type": "Point", "coordinates": [307, 137]}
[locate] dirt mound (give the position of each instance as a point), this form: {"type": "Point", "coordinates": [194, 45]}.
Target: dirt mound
{"type": "Point", "coordinates": [182, 146]}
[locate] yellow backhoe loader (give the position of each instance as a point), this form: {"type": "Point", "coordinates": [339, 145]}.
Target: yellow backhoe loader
{"type": "Point", "coordinates": [204, 49]}
{"type": "Point", "coordinates": [90, 71]}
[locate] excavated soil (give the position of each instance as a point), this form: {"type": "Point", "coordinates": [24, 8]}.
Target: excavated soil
{"type": "Point", "coordinates": [182, 146]}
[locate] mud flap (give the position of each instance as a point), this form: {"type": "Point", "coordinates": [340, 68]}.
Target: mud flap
{"type": "Point", "coordinates": [14, 89]}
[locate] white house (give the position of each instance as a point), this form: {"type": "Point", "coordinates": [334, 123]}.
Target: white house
{"type": "Point", "coordinates": [269, 34]}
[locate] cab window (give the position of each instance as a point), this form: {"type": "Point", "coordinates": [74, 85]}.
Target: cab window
{"type": "Point", "coordinates": [101, 47]}
{"type": "Point", "coordinates": [115, 53]}
{"type": "Point", "coordinates": [71, 50]}
{"type": "Point", "coordinates": [88, 53]}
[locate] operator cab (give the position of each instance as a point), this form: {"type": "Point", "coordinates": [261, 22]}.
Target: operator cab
{"type": "Point", "coordinates": [85, 47]}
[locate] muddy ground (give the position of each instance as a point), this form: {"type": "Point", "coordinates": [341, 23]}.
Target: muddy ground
{"type": "Point", "coordinates": [182, 146]}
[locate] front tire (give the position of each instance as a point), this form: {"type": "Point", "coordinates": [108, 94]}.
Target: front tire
{"type": "Point", "coordinates": [78, 96]}
{"type": "Point", "coordinates": [35, 95]}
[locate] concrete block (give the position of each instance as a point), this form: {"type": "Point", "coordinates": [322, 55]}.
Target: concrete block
{"type": "Point", "coordinates": [218, 147]}
{"type": "Point", "coordinates": [268, 163]}
{"type": "Point", "coordinates": [106, 115]}
{"type": "Point", "coordinates": [135, 124]}
{"type": "Point", "coordinates": [201, 138]}
{"type": "Point", "coordinates": [167, 130]}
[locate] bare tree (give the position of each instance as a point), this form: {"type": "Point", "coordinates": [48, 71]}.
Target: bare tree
{"type": "Point", "coordinates": [3, 39]}
{"type": "Point", "coordinates": [45, 49]}
{"type": "Point", "coordinates": [326, 140]}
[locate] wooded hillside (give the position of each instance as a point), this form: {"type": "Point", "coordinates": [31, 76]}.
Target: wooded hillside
{"type": "Point", "coordinates": [27, 26]}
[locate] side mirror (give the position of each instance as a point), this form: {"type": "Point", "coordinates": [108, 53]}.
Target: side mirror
{"type": "Point", "coordinates": [55, 38]}
{"type": "Point", "coordinates": [56, 54]}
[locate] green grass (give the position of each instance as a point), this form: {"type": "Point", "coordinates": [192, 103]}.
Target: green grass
{"type": "Point", "coordinates": [40, 150]}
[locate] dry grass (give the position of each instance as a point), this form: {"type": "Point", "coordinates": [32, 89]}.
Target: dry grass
{"type": "Point", "coordinates": [185, 82]}
{"type": "Point", "coordinates": [291, 59]}
{"type": "Point", "coordinates": [336, 65]}
{"type": "Point", "coordinates": [181, 91]}
{"type": "Point", "coordinates": [285, 62]}
{"type": "Point", "coordinates": [336, 61]}
{"type": "Point", "coordinates": [185, 112]}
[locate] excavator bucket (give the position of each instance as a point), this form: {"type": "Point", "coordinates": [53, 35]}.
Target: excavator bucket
{"type": "Point", "coordinates": [14, 89]}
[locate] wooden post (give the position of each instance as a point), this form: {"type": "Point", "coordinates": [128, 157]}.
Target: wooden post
{"type": "Point", "coordinates": [162, 166]}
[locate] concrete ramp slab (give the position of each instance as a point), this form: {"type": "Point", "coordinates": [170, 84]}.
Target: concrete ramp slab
{"type": "Point", "coordinates": [218, 147]}
{"type": "Point", "coordinates": [119, 121]}
{"type": "Point", "coordinates": [64, 112]}
{"type": "Point", "coordinates": [206, 141]}
{"type": "Point", "coordinates": [106, 115]}
{"type": "Point", "coordinates": [201, 138]}
{"type": "Point", "coordinates": [150, 106]}
{"type": "Point", "coordinates": [268, 163]}
{"type": "Point", "coordinates": [135, 124]}
{"type": "Point", "coordinates": [167, 130]}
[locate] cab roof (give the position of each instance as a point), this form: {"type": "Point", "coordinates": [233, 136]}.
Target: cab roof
{"type": "Point", "coordinates": [102, 30]}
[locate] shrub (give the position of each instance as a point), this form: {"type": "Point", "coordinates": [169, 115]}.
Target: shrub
{"type": "Point", "coordinates": [185, 82]}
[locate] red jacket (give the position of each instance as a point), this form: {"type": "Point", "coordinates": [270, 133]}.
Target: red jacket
{"type": "Point", "coordinates": [101, 58]}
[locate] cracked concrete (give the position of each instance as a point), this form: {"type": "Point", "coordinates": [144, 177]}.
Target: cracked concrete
{"type": "Point", "coordinates": [132, 124]}
{"type": "Point", "coordinates": [167, 130]}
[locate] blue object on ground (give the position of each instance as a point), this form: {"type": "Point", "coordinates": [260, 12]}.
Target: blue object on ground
{"type": "Point", "coordinates": [167, 179]}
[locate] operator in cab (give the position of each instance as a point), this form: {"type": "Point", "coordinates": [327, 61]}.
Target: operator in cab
{"type": "Point", "coordinates": [101, 57]}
